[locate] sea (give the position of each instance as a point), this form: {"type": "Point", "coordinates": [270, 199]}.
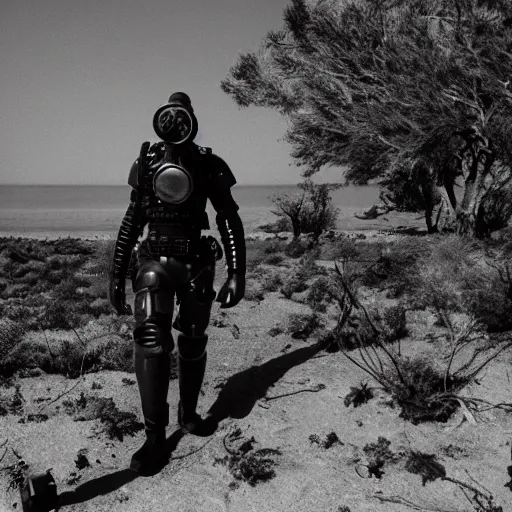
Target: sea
{"type": "Point", "coordinates": [44, 211]}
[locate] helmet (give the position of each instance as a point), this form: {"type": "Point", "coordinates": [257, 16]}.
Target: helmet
{"type": "Point", "coordinates": [175, 121]}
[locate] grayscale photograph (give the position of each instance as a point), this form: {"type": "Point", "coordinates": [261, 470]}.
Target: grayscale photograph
{"type": "Point", "coordinates": [256, 256]}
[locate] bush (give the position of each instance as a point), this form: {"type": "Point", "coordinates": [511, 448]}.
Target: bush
{"type": "Point", "coordinates": [419, 391]}
{"type": "Point", "coordinates": [378, 327]}
{"type": "Point", "coordinates": [495, 211]}
{"type": "Point", "coordinates": [11, 333]}
{"type": "Point", "coordinates": [116, 423]}
{"type": "Point", "coordinates": [292, 286]}
{"type": "Point", "coordinates": [342, 248]}
{"type": "Point", "coordinates": [301, 326]}
{"type": "Point", "coordinates": [273, 259]}
{"type": "Point", "coordinates": [296, 248]}
{"type": "Point", "coordinates": [282, 224]}
{"type": "Point", "coordinates": [459, 277]}
{"type": "Point", "coordinates": [318, 295]}
{"type": "Point", "coordinates": [272, 283]}
{"type": "Point", "coordinates": [397, 264]}
{"type": "Point", "coordinates": [114, 354]}
{"type": "Point", "coordinates": [311, 211]}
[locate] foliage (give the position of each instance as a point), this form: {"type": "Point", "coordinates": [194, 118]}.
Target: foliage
{"type": "Point", "coordinates": [245, 463]}
{"type": "Point", "coordinates": [358, 395]}
{"type": "Point", "coordinates": [425, 465]}
{"type": "Point", "coordinates": [302, 326]}
{"type": "Point", "coordinates": [380, 86]}
{"type": "Point", "coordinates": [116, 423]}
{"type": "Point", "coordinates": [11, 333]}
{"type": "Point", "coordinates": [460, 275]}
{"type": "Point", "coordinates": [330, 440]}
{"type": "Point", "coordinates": [311, 211]}
{"type": "Point", "coordinates": [424, 391]}
{"type": "Point", "coordinates": [378, 454]}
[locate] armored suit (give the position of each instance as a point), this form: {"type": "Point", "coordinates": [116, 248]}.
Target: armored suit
{"type": "Point", "coordinates": [171, 182]}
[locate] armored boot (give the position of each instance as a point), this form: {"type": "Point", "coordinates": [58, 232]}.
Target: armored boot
{"type": "Point", "coordinates": [191, 375]}
{"type": "Point", "coordinates": [153, 371]}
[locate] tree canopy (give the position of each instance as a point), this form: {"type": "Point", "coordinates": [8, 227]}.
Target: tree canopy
{"type": "Point", "coordinates": [374, 84]}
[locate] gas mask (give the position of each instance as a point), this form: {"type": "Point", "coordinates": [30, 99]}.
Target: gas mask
{"type": "Point", "coordinates": [175, 122]}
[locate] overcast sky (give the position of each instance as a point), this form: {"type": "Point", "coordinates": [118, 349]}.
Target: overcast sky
{"type": "Point", "coordinates": [81, 79]}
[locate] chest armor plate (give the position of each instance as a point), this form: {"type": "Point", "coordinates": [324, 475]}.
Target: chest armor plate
{"type": "Point", "coordinates": [175, 188]}
{"type": "Point", "coordinates": [172, 184]}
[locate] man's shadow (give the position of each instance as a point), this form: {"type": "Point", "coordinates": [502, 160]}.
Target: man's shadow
{"type": "Point", "coordinates": [242, 390]}
{"type": "Point", "coordinates": [236, 400]}
{"type": "Point", "coordinates": [111, 482]}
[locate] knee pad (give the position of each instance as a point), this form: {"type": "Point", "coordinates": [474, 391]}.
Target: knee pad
{"type": "Point", "coordinates": [153, 315]}
{"type": "Point", "coordinates": [191, 348]}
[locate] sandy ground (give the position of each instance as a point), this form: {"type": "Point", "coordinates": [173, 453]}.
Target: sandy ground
{"type": "Point", "coordinates": [247, 372]}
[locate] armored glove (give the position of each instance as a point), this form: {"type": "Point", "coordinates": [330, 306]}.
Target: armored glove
{"type": "Point", "coordinates": [117, 297]}
{"type": "Point", "coordinates": [232, 291]}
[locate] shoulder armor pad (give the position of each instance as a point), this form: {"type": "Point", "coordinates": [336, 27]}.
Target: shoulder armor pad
{"type": "Point", "coordinates": [221, 175]}
{"type": "Point", "coordinates": [133, 178]}
{"type": "Point", "coordinates": [146, 152]}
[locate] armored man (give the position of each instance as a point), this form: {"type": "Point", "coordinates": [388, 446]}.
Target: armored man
{"type": "Point", "coordinates": [171, 182]}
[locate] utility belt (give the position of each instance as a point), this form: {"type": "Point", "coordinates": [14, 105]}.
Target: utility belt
{"type": "Point", "coordinates": [161, 244]}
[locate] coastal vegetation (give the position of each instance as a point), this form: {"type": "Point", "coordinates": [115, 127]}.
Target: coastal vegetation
{"type": "Point", "coordinates": [359, 298]}
{"type": "Point", "coordinates": [415, 94]}
{"type": "Point", "coordinates": [414, 329]}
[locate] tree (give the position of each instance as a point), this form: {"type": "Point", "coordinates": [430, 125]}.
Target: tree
{"type": "Point", "coordinates": [381, 85]}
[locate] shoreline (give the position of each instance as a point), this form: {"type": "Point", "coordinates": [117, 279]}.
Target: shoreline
{"type": "Point", "coordinates": [357, 234]}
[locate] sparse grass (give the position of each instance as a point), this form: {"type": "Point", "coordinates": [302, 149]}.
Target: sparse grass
{"type": "Point", "coordinates": [17, 473]}
{"type": "Point", "coordinates": [318, 295]}
{"type": "Point", "coordinates": [394, 267]}
{"type": "Point", "coordinates": [330, 440]}
{"type": "Point", "coordinates": [378, 455]}
{"type": "Point", "coordinates": [275, 331]}
{"type": "Point", "coordinates": [461, 275]}
{"type": "Point", "coordinates": [425, 465]}
{"type": "Point", "coordinates": [245, 463]}
{"type": "Point", "coordinates": [81, 460]}
{"type": "Point", "coordinates": [11, 333]}
{"type": "Point", "coordinates": [272, 283]}
{"type": "Point", "coordinates": [358, 395]}
{"type": "Point", "coordinates": [302, 325]}
{"type": "Point", "coordinates": [293, 285]}
{"type": "Point", "coordinates": [116, 423]}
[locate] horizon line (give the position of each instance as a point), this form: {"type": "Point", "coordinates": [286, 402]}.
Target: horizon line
{"type": "Point", "coordinates": [126, 184]}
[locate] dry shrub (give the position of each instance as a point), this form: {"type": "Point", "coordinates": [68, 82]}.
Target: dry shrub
{"type": "Point", "coordinates": [258, 251]}
{"type": "Point", "coordinates": [396, 264]}
{"type": "Point", "coordinates": [365, 328]}
{"type": "Point", "coordinates": [273, 259]}
{"type": "Point", "coordinates": [301, 326]}
{"type": "Point", "coordinates": [272, 283]}
{"type": "Point", "coordinates": [418, 388]}
{"type": "Point", "coordinates": [296, 248]}
{"type": "Point", "coordinates": [318, 295]}
{"type": "Point", "coordinates": [341, 248]}
{"type": "Point", "coordinates": [282, 224]}
{"type": "Point", "coordinates": [116, 423]}
{"type": "Point", "coordinates": [253, 292]}
{"type": "Point", "coordinates": [11, 333]}
{"type": "Point", "coordinates": [293, 285]}
{"type": "Point", "coordinates": [114, 354]}
{"type": "Point", "coordinates": [422, 390]}
{"type": "Point", "coordinates": [458, 276]}
{"type": "Point", "coordinates": [245, 463]}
